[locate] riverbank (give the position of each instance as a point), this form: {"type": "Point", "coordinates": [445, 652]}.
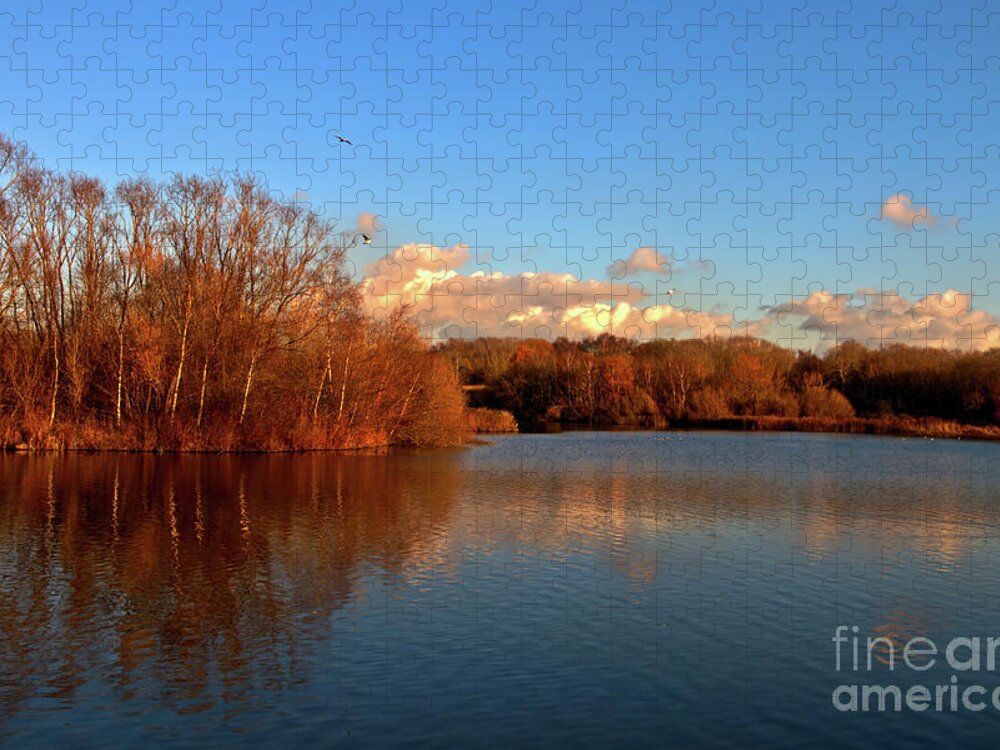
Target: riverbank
{"type": "Point", "coordinates": [927, 427]}
{"type": "Point", "coordinates": [899, 426]}
{"type": "Point", "coordinates": [496, 421]}
{"type": "Point", "coordinates": [98, 438]}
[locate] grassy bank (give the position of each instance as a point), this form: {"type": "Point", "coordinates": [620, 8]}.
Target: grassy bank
{"type": "Point", "coordinates": [901, 426]}
{"type": "Point", "coordinates": [304, 436]}
{"type": "Point", "coordinates": [91, 437]}
{"type": "Point", "coordinates": [895, 426]}
{"type": "Point", "coordinates": [485, 421]}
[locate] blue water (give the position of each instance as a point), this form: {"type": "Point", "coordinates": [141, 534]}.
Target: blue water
{"type": "Point", "coordinates": [582, 589]}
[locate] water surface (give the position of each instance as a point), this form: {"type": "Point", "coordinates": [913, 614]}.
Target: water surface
{"type": "Point", "coordinates": [581, 589]}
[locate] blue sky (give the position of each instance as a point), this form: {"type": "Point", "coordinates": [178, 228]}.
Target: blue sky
{"type": "Point", "coordinates": [790, 166]}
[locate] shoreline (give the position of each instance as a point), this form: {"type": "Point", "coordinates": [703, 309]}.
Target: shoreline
{"type": "Point", "coordinates": [914, 427]}
{"type": "Point", "coordinates": [477, 421]}
{"type": "Point", "coordinates": [21, 449]}
{"type": "Point", "coordinates": [896, 426]}
{"type": "Point", "coordinates": [919, 427]}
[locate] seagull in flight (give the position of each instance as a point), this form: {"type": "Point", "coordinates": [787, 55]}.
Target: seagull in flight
{"type": "Point", "coordinates": [671, 291]}
{"type": "Point", "coordinates": [366, 239]}
{"type": "Point", "coordinates": [341, 139]}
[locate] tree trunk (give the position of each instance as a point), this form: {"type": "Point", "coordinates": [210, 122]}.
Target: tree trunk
{"type": "Point", "coordinates": [201, 395]}
{"type": "Point", "coordinates": [180, 362]}
{"type": "Point", "coordinates": [343, 384]}
{"type": "Point", "coordinates": [246, 390]}
{"type": "Point", "coordinates": [406, 404]}
{"type": "Point", "coordinates": [121, 371]}
{"type": "Point", "coordinates": [319, 391]}
{"type": "Point", "coordinates": [55, 380]}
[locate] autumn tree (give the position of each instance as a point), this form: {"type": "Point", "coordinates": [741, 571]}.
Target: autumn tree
{"type": "Point", "coordinates": [202, 313]}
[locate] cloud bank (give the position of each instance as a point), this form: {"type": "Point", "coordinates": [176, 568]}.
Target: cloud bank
{"type": "Point", "coordinates": [942, 321]}
{"type": "Point", "coordinates": [448, 299]}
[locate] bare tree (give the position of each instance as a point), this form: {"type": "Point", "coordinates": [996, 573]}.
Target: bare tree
{"type": "Point", "coordinates": [136, 235]}
{"type": "Point", "coordinates": [49, 224]}
{"type": "Point", "coordinates": [194, 209]}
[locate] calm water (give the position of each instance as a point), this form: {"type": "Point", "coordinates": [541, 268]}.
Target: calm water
{"type": "Point", "coordinates": [584, 589]}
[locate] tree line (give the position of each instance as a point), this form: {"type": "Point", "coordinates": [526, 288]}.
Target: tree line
{"type": "Point", "coordinates": [619, 381]}
{"type": "Point", "coordinates": [203, 313]}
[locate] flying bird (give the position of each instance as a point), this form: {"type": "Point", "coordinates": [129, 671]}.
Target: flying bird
{"type": "Point", "coordinates": [341, 139]}
{"type": "Point", "coordinates": [366, 239]}
{"type": "Point", "coordinates": [671, 291]}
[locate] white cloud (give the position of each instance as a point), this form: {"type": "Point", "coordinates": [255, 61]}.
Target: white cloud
{"type": "Point", "coordinates": [449, 300]}
{"type": "Point", "coordinates": [900, 210]}
{"type": "Point", "coordinates": [945, 320]}
{"type": "Point", "coordinates": [643, 259]}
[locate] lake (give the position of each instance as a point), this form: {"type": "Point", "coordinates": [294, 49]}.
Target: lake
{"type": "Point", "coordinates": [582, 589]}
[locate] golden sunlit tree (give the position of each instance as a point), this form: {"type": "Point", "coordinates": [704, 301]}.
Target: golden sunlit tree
{"type": "Point", "coordinates": [203, 313]}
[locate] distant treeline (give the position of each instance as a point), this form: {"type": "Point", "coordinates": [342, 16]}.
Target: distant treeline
{"type": "Point", "coordinates": [198, 314]}
{"type": "Point", "coordinates": [611, 380]}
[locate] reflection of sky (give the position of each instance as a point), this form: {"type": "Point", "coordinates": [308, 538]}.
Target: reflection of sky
{"type": "Point", "coordinates": [753, 149]}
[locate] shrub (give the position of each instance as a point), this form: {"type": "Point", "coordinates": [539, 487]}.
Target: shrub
{"type": "Point", "coordinates": [781, 404]}
{"type": "Point", "coordinates": [490, 420]}
{"type": "Point", "coordinates": [709, 403]}
{"type": "Point", "coordinates": [817, 401]}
